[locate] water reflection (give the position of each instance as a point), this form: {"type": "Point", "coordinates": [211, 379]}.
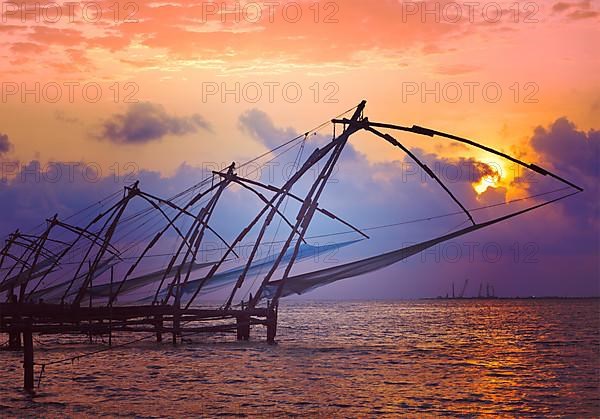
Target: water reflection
{"type": "Point", "coordinates": [451, 358]}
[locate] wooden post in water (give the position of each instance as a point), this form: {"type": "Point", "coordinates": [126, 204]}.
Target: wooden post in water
{"type": "Point", "coordinates": [238, 329]}
{"type": "Point", "coordinates": [110, 304]}
{"type": "Point", "coordinates": [14, 341]}
{"type": "Point", "coordinates": [28, 357]}
{"type": "Point", "coordinates": [90, 305]}
{"type": "Point", "coordinates": [14, 337]}
{"type": "Point", "coordinates": [242, 321]}
{"type": "Point", "coordinates": [271, 323]}
{"type": "Point", "coordinates": [176, 314]}
{"type": "Point", "coordinates": [158, 324]}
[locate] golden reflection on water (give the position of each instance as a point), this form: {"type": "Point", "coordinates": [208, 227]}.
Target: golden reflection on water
{"type": "Point", "coordinates": [427, 358]}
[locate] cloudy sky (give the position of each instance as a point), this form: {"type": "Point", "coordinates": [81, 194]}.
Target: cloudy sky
{"type": "Point", "coordinates": [97, 94]}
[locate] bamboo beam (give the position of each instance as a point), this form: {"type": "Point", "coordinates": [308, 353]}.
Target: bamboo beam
{"type": "Point", "coordinates": [415, 129]}
{"type": "Point", "coordinates": [307, 210]}
{"type": "Point", "coordinates": [423, 166]}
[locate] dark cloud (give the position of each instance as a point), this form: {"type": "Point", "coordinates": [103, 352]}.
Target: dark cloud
{"type": "Point", "coordinates": [568, 149]}
{"type": "Point", "coordinates": [5, 144]}
{"type": "Point", "coordinates": [31, 191]}
{"type": "Point", "coordinates": [573, 155]}
{"type": "Point", "coordinates": [457, 170]}
{"type": "Point", "coordinates": [259, 126]}
{"type": "Point", "coordinates": [145, 122]}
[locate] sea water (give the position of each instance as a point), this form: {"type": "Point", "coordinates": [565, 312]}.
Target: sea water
{"type": "Point", "coordinates": [336, 359]}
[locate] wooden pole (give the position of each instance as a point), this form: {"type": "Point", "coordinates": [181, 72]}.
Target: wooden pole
{"type": "Point", "coordinates": [307, 210]}
{"type": "Point", "coordinates": [158, 325]}
{"type": "Point", "coordinates": [112, 274]}
{"type": "Point", "coordinates": [238, 328]}
{"type": "Point", "coordinates": [271, 324]}
{"type": "Point", "coordinates": [243, 327]}
{"type": "Point", "coordinates": [28, 357]}
{"type": "Point", "coordinates": [14, 337]}
{"type": "Point", "coordinates": [90, 305]}
{"type": "Point", "coordinates": [176, 314]}
{"type": "Point", "coordinates": [242, 322]}
{"type": "Point", "coordinates": [14, 340]}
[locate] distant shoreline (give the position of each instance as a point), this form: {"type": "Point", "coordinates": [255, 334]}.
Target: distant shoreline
{"type": "Point", "coordinates": [355, 300]}
{"type": "Point", "coordinates": [510, 298]}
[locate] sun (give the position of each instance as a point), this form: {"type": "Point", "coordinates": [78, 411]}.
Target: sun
{"type": "Point", "coordinates": [489, 181]}
{"type": "Point", "coordinates": [485, 183]}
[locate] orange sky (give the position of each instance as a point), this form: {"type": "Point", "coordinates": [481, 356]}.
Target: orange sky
{"type": "Point", "coordinates": [540, 55]}
{"type": "Point", "coordinates": [184, 84]}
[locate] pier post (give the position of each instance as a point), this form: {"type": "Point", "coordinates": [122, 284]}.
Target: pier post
{"type": "Point", "coordinates": [90, 304]}
{"type": "Point", "coordinates": [271, 324]}
{"type": "Point", "coordinates": [14, 336]}
{"type": "Point", "coordinates": [176, 315]}
{"type": "Point", "coordinates": [28, 357]}
{"type": "Point", "coordinates": [176, 325]}
{"type": "Point", "coordinates": [158, 325]}
{"type": "Point", "coordinates": [238, 328]}
{"type": "Point", "coordinates": [243, 327]}
{"type": "Point", "coordinates": [14, 340]}
{"type": "Point", "coordinates": [110, 306]}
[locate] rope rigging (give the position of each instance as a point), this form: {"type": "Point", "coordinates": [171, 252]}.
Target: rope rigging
{"type": "Point", "coordinates": [112, 238]}
{"type": "Point", "coordinates": [182, 212]}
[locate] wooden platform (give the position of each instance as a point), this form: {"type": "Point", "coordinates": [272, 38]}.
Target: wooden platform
{"type": "Point", "coordinates": [20, 321]}
{"type": "Point", "coordinates": [48, 318]}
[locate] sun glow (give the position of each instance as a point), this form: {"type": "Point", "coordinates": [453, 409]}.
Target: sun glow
{"type": "Point", "coordinates": [485, 183]}
{"type": "Point", "coordinates": [492, 180]}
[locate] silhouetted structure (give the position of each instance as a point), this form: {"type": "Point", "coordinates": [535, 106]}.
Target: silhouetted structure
{"type": "Point", "coordinates": [74, 278]}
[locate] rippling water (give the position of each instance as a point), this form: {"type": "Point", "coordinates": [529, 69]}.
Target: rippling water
{"type": "Point", "coordinates": [432, 358]}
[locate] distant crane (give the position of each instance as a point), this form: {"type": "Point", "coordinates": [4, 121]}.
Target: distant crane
{"type": "Point", "coordinates": [462, 292]}
{"type": "Point", "coordinates": [490, 291]}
